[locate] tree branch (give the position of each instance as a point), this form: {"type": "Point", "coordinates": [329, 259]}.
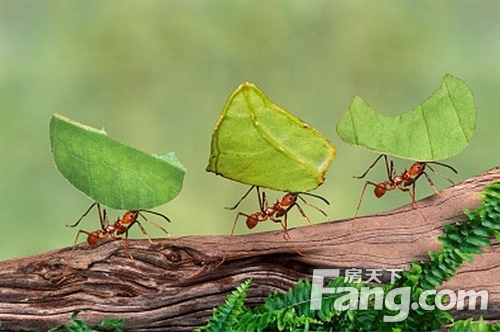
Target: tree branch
{"type": "Point", "coordinates": [175, 283]}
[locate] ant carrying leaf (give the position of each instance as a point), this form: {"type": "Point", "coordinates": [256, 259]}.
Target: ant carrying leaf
{"type": "Point", "coordinates": [404, 182]}
{"type": "Point", "coordinates": [277, 213]}
{"type": "Point", "coordinates": [108, 230]}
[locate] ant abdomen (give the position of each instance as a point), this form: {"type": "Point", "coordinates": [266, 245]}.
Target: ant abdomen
{"type": "Point", "coordinates": [380, 190]}
{"type": "Point", "coordinates": [93, 238]}
{"type": "Point", "coordinates": [252, 221]}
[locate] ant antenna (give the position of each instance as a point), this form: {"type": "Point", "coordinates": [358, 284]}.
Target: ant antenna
{"type": "Point", "coordinates": [155, 213]}
{"type": "Point", "coordinates": [152, 222]}
{"type": "Point", "coordinates": [443, 165]}
{"type": "Point", "coordinates": [315, 196]}
{"type": "Point", "coordinates": [442, 175]}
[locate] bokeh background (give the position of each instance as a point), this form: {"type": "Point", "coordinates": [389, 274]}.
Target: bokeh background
{"type": "Point", "coordinates": [156, 75]}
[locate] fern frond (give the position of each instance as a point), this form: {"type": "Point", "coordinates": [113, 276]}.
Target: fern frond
{"type": "Point", "coordinates": [226, 316]}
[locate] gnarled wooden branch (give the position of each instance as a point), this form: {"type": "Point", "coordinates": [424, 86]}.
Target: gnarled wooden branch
{"type": "Point", "coordinates": [175, 283]}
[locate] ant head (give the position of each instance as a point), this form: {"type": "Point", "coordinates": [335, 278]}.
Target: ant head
{"type": "Point", "coordinates": [289, 199]}
{"type": "Point", "coordinates": [417, 168]}
{"type": "Point", "coordinates": [130, 216]}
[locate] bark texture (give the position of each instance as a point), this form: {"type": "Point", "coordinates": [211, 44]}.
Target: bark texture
{"type": "Point", "coordinates": [173, 285]}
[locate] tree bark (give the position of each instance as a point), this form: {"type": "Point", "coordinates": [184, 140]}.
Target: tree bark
{"type": "Point", "coordinates": [174, 284]}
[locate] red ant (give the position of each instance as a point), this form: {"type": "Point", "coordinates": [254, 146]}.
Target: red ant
{"type": "Point", "coordinates": [120, 227]}
{"type": "Point", "coordinates": [402, 182]}
{"type": "Point", "coordinates": [275, 212]}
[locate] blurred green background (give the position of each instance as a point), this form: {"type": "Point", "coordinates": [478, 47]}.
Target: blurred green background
{"type": "Point", "coordinates": [156, 75]}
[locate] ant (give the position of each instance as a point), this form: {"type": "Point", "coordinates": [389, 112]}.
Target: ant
{"type": "Point", "coordinates": [120, 227]}
{"type": "Point", "coordinates": [402, 182]}
{"type": "Point", "coordinates": [277, 213]}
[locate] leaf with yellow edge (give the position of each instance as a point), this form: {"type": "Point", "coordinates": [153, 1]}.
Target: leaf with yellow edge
{"type": "Point", "coordinates": [258, 143]}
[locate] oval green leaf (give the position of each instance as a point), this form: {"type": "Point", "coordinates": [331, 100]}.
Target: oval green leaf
{"type": "Point", "coordinates": [109, 172]}
{"type": "Point", "coordinates": [258, 143]}
{"type": "Point", "coordinates": [437, 129]}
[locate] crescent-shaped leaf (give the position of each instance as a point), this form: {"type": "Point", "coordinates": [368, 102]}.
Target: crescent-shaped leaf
{"type": "Point", "coordinates": [109, 172]}
{"type": "Point", "coordinates": [439, 128]}
{"type": "Point", "coordinates": [258, 143]}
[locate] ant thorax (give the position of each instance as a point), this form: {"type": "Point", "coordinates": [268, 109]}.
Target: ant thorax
{"type": "Point", "coordinates": [112, 228]}
{"type": "Point", "coordinates": [398, 180]}
{"type": "Point", "coordinates": [270, 210]}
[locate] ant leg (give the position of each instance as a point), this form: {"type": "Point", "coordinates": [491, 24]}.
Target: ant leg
{"type": "Point", "coordinates": [242, 198]}
{"type": "Point", "coordinates": [65, 273]}
{"type": "Point", "coordinates": [262, 198]}
{"type": "Point", "coordinates": [441, 175]}
{"type": "Point", "coordinates": [371, 166]}
{"type": "Point", "coordinates": [235, 221]}
{"type": "Point", "coordinates": [313, 206]}
{"type": "Point", "coordinates": [359, 206]}
{"type": "Point", "coordinates": [412, 195]}
{"type": "Point", "coordinates": [414, 202]}
{"type": "Point", "coordinates": [263, 204]}
{"type": "Point", "coordinates": [284, 225]}
{"type": "Point", "coordinates": [302, 213]}
{"type": "Point", "coordinates": [103, 216]}
{"type": "Point", "coordinates": [391, 171]}
{"type": "Point", "coordinates": [143, 230]}
{"type": "Point", "coordinates": [87, 212]}
{"type": "Point", "coordinates": [152, 223]}
{"type": "Point", "coordinates": [125, 240]}
{"type": "Point", "coordinates": [431, 183]}
{"type": "Point", "coordinates": [230, 238]}
{"type": "Point", "coordinates": [286, 235]}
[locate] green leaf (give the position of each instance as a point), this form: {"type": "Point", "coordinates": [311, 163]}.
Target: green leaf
{"type": "Point", "coordinates": [490, 224]}
{"type": "Point", "coordinates": [114, 323]}
{"type": "Point", "coordinates": [111, 173]}
{"type": "Point", "coordinates": [446, 268]}
{"type": "Point", "coordinates": [482, 231]}
{"type": "Point", "coordinates": [451, 231]}
{"type": "Point", "coordinates": [478, 240]}
{"type": "Point", "coordinates": [448, 242]}
{"type": "Point", "coordinates": [433, 280]}
{"type": "Point", "coordinates": [439, 128]}
{"type": "Point", "coordinates": [440, 274]}
{"type": "Point", "coordinates": [258, 143]}
{"type": "Point", "coordinates": [469, 248]}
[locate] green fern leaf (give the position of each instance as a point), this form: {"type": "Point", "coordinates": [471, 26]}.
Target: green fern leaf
{"type": "Point", "coordinates": [477, 240]}
{"type": "Point", "coordinates": [225, 317]}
